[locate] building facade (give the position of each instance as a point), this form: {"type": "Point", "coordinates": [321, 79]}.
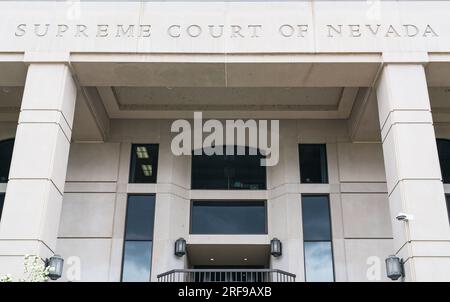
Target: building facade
{"type": "Point", "coordinates": [90, 94]}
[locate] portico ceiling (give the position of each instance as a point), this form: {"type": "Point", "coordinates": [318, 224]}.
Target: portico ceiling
{"type": "Point", "coordinates": [228, 71]}
{"type": "Point", "coordinates": [219, 98]}
{"type": "Point", "coordinates": [10, 98]}
{"type": "Point", "coordinates": [231, 102]}
{"type": "Point", "coordinates": [273, 102]}
{"type": "Point", "coordinates": [309, 87]}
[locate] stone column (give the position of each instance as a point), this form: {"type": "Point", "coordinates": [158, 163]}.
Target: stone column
{"type": "Point", "coordinates": [413, 173]}
{"type": "Point", "coordinates": [172, 205]}
{"type": "Point", "coordinates": [284, 203]}
{"type": "Point", "coordinates": [35, 189]}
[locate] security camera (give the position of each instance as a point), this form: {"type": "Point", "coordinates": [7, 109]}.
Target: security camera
{"type": "Point", "coordinates": [404, 217]}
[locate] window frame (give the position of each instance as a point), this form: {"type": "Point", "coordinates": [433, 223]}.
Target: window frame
{"type": "Point", "coordinates": [133, 159]}
{"type": "Point", "coordinates": [440, 158]}
{"type": "Point", "coordinates": [125, 230]}
{"type": "Point", "coordinates": [324, 170]}
{"type": "Point", "coordinates": [228, 189]}
{"type": "Point", "coordinates": [236, 201]}
{"type": "Point", "coordinates": [331, 241]}
{"type": "Point", "coordinates": [9, 168]}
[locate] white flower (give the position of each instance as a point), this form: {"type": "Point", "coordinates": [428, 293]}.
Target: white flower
{"type": "Point", "coordinates": [34, 271]}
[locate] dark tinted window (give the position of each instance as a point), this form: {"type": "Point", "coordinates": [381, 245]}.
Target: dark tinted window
{"type": "Point", "coordinates": [140, 215]}
{"type": "Point", "coordinates": [2, 199]}
{"type": "Point", "coordinates": [316, 218]}
{"type": "Point", "coordinates": [313, 163]}
{"type": "Point", "coordinates": [6, 150]}
{"type": "Point", "coordinates": [443, 146]}
{"type": "Point", "coordinates": [144, 163]}
{"type": "Point", "coordinates": [317, 239]}
{"type": "Point", "coordinates": [228, 172]}
{"type": "Point", "coordinates": [228, 217]}
{"type": "Point", "coordinates": [137, 251]}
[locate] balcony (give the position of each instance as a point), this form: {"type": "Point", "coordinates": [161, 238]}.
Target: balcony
{"type": "Point", "coordinates": [226, 275]}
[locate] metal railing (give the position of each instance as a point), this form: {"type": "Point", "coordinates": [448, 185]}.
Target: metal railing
{"type": "Point", "coordinates": [226, 275]}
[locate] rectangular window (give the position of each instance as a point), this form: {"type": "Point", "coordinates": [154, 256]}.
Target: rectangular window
{"type": "Point", "coordinates": [228, 217]}
{"type": "Point", "coordinates": [443, 146]}
{"type": "Point", "coordinates": [144, 163]}
{"type": "Point", "coordinates": [313, 163]}
{"type": "Point", "coordinates": [2, 199]}
{"type": "Point", "coordinates": [229, 172]}
{"type": "Point", "coordinates": [317, 238]}
{"type": "Point", "coordinates": [138, 243]}
{"type": "Point", "coordinates": [6, 150]}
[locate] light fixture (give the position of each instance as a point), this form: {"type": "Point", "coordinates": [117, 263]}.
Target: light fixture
{"type": "Point", "coordinates": [404, 217]}
{"type": "Point", "coordinates": [55, 265]}
{"type": "Point", "coordinates": [180, 247]}
{"type": "Point", "coordinates": [394, 267]}
{"type": "Point", "coordinates": [147, 170]}
{"type": "Point", "coordinates": [212, 259]}
{"type": "Point", "coordinates": [245, 259]}
{"type": "Point", "coordinates": [142, 152]}
{"type": "Point", "coordinates": [275, 247]}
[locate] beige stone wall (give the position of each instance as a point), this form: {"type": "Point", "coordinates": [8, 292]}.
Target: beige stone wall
{"type": "Point", "coordinates": [94, 202]}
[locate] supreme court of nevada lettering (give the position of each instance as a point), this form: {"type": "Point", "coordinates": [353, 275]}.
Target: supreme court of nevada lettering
{"type": "Point", "coordinates": [280, 141]}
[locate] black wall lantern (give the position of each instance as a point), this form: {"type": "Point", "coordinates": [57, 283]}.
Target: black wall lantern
{"type": "Point", "coordinates": [275, 247]}
{"type": "Point", "coordinates": [180, 247]}
{"type": "Point", "coordinates": [394, 267]}
{"type": "Point", "coordinates": [55, 265]}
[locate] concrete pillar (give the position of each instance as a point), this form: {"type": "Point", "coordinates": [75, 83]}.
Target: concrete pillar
{"type": "Point", "coordinates": [284, 203]}
{"type": "Point", "coordinates": [31, 215]}
{"type": "Point", "coordinates": [413, 174]}
{"type": "Point", "coordinates": [172, 206]}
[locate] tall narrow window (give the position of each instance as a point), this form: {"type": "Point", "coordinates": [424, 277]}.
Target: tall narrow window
{"type": "Point", "coordinates": [313, 163]}
{"type": "Point", "coordinates": [229, 172]}
{"type": "Point", "coordinates": [443, 146]}
{"type": "Point", "coordinates": [2, 199]}
{"type": "Point", "coordinates": [144, 163]}
{"type": "Point", "coordinates": [6, 150]}
{"type": "Point", "coordinates": [138, 243]}
{"type": "Point", "coordinates": [317, 238]}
